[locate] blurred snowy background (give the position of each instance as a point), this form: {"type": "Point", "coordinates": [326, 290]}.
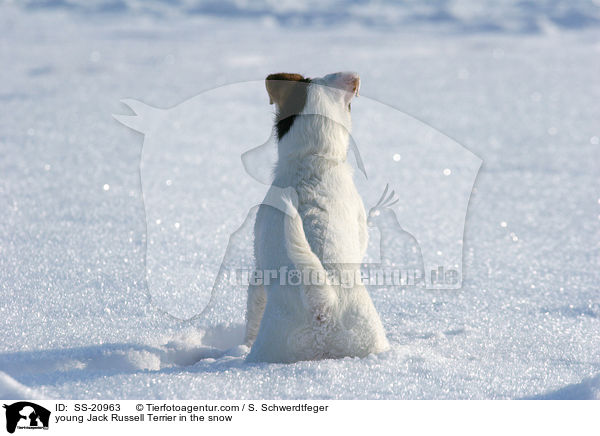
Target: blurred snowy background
{"type": "Point", "coordinates": [515, 82]}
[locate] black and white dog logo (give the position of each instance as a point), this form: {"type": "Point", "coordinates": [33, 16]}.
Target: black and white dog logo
{"type": "Point", "coordinates": [26, 415]}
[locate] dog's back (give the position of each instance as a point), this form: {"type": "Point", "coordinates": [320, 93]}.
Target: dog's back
{"type": "Point", "coordinates": [305, 317]}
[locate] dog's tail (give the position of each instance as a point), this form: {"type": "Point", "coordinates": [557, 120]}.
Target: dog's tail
{"type": "Point", "coordinates": [318, 295]}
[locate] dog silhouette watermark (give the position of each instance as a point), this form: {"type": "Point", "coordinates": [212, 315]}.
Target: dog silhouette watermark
{"type": "Point", "coordinates": [26, 415]}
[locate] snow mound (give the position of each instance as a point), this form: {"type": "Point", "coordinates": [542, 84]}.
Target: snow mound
{"type": "Point", "coordinates": [10, 389]}
{"type": "Point", "coordinates": [587, 389]}
{"type": "Point", "coordinates": [185, 348]}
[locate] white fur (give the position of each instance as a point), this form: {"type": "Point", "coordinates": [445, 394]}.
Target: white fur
{"type": "Point", "coordinates": [326, 229]}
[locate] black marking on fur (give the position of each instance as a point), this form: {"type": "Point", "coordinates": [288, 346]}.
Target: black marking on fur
{"type": "Point", "coordinates": [284, 126]}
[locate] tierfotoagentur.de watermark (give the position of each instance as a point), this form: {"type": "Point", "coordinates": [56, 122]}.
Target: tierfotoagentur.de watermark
{"type": "Point", "coordinates": [367, 274]}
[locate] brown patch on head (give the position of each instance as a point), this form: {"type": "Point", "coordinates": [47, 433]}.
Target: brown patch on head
{"type": "Point", "coordinates": [288, 92]}
{"type": "Point", "coordinates": [278, 86]}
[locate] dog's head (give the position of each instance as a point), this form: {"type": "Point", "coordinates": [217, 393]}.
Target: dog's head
{"type": "Point", "coordinates": [327, 96]}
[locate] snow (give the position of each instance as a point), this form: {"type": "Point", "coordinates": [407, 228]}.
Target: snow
{"type": "Point", "coordinates": [10, 388]}
{"type": "Point", "coordinates": [515, 84]}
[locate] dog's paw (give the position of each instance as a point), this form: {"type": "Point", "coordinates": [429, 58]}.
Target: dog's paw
{"type": "Point", "coordinates": [289, 199]}
{"type": "Point", "coordinates": [290, 196]}
{"type": "Point", "coordinates": [284, 199]}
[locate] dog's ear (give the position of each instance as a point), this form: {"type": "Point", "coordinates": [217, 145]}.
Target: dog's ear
{"type": "Point", "coordinates": [280, 86]}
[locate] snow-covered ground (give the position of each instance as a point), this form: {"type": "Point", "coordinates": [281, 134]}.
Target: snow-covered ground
{"type": "Point", "coordinates": [517, 84]}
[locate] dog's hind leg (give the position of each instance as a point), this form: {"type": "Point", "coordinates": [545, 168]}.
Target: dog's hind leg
{"type": "Point", "coordinates": [320, 298]}
{"type": "Point", "coordinates": [257, 299]}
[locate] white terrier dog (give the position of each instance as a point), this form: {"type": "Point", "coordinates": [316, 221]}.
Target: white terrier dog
{"type": "Point", "coordinates": [322, 233]}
